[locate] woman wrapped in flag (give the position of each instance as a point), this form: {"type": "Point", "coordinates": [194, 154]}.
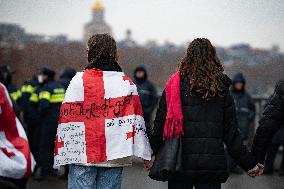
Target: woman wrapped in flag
{"type": "Point", "coordinates": [101, 125]}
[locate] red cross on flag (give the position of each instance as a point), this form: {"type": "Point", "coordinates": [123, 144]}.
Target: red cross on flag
{"type": "Point", "coordinates": [100, 120]}
{"type": "Point", "coordinates": [16, 159]}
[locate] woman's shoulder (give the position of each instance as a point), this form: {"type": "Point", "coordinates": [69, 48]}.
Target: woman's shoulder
{"type": "Point", "coordinates": [227, 82]}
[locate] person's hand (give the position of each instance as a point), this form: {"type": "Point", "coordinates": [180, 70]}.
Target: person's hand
{"type": "Point", "coordinates": [148, 163]}
{"type": "Point", "coordinates": [261, 169]}
{"type": "Point", "coordinates": [256, 171]}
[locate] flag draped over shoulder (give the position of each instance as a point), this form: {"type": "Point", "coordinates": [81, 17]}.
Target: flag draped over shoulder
{"type": "Point", "coordinates": [100, 120]}
{"type": "Point", "coordinates": [16, 159]}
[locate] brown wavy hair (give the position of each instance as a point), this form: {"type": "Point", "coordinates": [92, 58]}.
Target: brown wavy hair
{"type": "Point", "coordinates": [101, 47]}
{"type": "Point", "coordinates": [201, 69]}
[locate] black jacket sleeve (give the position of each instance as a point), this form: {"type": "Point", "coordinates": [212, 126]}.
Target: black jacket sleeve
{"type": "Point", "coordinates": [232, 137]}
{"type": "Point", "coordinates": [44, 102]}
{"type": "Point", "coordinates": [270, 123]}
{"type": "Point", "coordinates": [156, 138]}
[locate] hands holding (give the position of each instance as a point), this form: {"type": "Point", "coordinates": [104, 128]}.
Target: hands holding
{"type": "Point", "coordinates": [256, 171]}
{"type": "Point", "coordinates": [148, 163]}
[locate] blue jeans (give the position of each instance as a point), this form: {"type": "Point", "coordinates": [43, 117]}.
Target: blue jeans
{"type": "Point", "coordinates": [91, 177]}
{"type": "Point", "coordinates": [188, 185]}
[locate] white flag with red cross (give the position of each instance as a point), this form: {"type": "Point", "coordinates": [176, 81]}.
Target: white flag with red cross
{"type": "Point", "coordinates": [100, 119]}
{"type": "Point", "coordinates": [16, 160]}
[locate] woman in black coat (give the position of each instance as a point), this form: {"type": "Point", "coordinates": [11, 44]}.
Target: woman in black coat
{"type": "Point", "coordinates": [209, 121]}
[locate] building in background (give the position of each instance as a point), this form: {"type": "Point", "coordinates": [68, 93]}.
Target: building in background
{"type": "Point", "coordinates": [97, 24]}
{"type": "Point", "coordinates": [128, 41]}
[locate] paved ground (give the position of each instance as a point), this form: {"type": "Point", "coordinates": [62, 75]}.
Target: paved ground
{"type": "Point", "coordinates": [136, 178]}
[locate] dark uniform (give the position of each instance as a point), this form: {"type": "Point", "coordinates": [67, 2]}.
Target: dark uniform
{"type": "Point", "coordinates": [29, 103]}
{"type": "Point", "coordinates": [6, 79]}
{"type": "Point", "coordinates": [50, 98]}
{"type": "Point", "coordinates": [15, 94]}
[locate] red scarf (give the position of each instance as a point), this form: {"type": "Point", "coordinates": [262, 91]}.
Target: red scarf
{"type": "Point", "coordinates": [174, 119]}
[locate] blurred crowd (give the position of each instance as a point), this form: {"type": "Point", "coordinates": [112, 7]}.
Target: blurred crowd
{"type": "Point", "coordinates": [37, 104]}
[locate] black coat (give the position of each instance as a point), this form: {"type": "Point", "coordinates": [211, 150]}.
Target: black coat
{"type": "Point", "coordinates": [148, 98]}
{"type": "Point", "coordinates": [147, 93]}
{"type": "Point", "coordinates": [245, 111]}
{"type": "Point", "coordinates": [208, 124]}
{"type": "Point", "coordinates": [270, 123]}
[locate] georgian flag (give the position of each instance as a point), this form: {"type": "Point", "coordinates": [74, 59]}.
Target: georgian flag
{"type": "Point", "coordinates": [100, 120]}
{"type": "Point", "coordinates": [16, 160]}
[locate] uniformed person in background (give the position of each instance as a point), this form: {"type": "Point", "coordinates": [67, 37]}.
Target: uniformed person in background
{"type": "Point", "coordinates": [50, 98]}
{"type": "Point", "coordinates": [245, 111]}
{"type": "Point", "coordinates": [147, 94]}
{"type": "Point", "coordinates": [29, 104]}
{"type": "Point", "coordinates": [6, 77]}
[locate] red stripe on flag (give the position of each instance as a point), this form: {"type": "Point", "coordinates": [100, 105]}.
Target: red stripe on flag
{"type": "Point", "coordinates": [95, 133]}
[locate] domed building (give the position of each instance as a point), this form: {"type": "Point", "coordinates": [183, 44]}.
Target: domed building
{"type": "Point", "coordinates": [98, 24]}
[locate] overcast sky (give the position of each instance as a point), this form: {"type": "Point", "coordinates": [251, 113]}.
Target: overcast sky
{"type": "Point", "coordinates": [225, 22]}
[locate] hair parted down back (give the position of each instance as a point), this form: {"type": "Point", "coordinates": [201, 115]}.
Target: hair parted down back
{"type": "Point", "coordinates": [101, 47]}
{"type": "Point", "coordinates": [202, 68]}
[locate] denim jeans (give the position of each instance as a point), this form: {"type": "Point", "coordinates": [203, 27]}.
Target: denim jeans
{"type": "Point", "coordinates": [91, 177]}
{"type": "Point", "coordinates": [188, 185]}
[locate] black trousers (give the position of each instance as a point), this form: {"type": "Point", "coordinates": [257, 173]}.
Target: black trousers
{"type": "Point", "coordinates": [270, 158]}
{"type": "Point", "coordinates": [33, 137]}
{"type": "Point", "coordinates": [188, 185]}
{"type": "Point", "coordinates": [46, 146]}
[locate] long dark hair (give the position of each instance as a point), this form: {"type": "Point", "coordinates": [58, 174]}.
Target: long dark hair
{"type": "Point", "coordinates": [101, 47]}
{"type": "Point", "coordinates": [201, 69]}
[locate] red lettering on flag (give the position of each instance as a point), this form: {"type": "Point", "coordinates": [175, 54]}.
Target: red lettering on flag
{"type": "Point", "coordinates": [9, 154]}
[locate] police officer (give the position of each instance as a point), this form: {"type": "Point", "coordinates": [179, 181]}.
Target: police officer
{"type": "Point", "coordinates": [29, 103]}
{"type": "Point", "coordinates": [6, 78]}
{"type": "Point", "coordinates": [50, 98]}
